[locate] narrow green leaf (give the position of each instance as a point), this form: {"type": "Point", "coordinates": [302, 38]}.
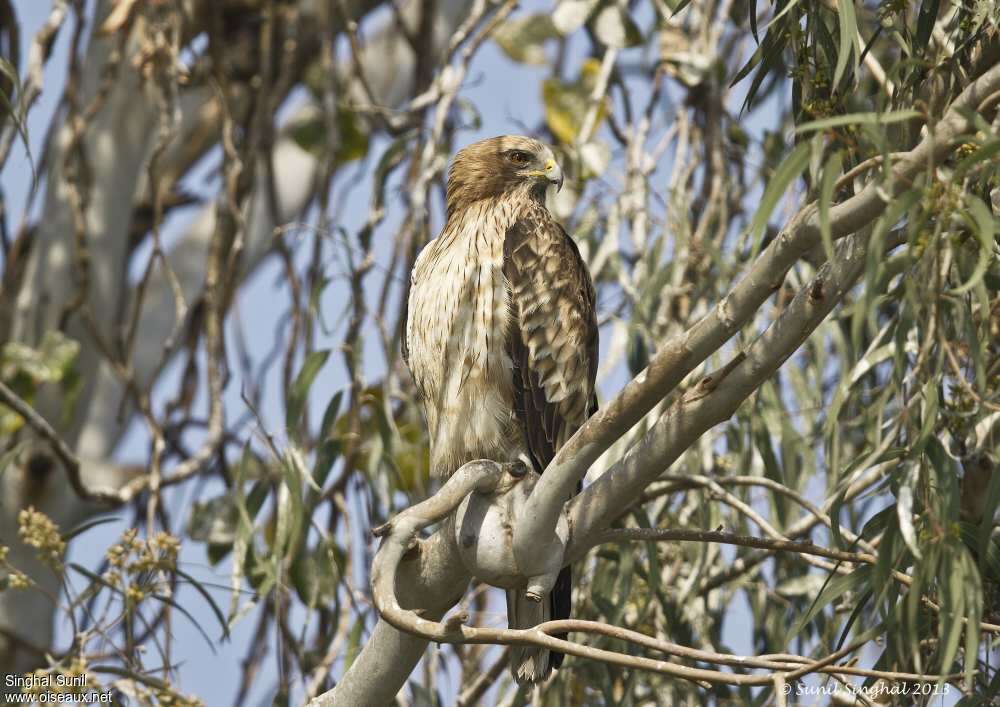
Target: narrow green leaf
{"type": "Point", "coordinates": [680, 6]}
{"type": "Point", "coordinates": [9, 456]}
{"type": "Point", "coordinates": [838, 503]}
{"type": "Point", "coordinates": [772, 59]}
{"type": "Point", "coordinates": [291, 511]}
{"type": "Point", "coordinates": [858, 119]}
{"type": "Point", "coordinates": [299, 393]}
{"type": "Point", "coordinates": [925, 23]}
{"type": "Point", "coordinates": [784, 11]}
{"type": "Point", "coordinates": [208, 597]}
{"type": "Point", "coordinates": [787, 171]}
{"type": "Point", "coordinates": [984, 541]}
{"type": "Point", "coordinates": [825, 42]}
{"type": "Point", "coordinates": [930, 418]}
{"type": "Point", "coordinates": [891, 553]}
{"type": "Point", "coordinates": [243, 543]}
{"type": "Point", "coordinates": [976, 348]}
{"type": "Point", "coordinates": [982, 225]}
{"type": "Point", "coordinates": [748, 67]}
{"type": "Point", "coordinates": [848, 38]}
{"type": "Point", "coordinates": [952, 610]}
{"type": "Point", "coordinates": [973, 617]}
{"type": "Point", "coordinates": [187, 615]}
{"type": "Point", "coordinates": [831, 170]}
{"type": "Point", "coordinates": [767, 51]}
{"type": "Point", "coordinates": [330, 414]}
{"type": "Point", "coordinates": [836, 587]}
{"type": "Point", "coordinates": [94, 577]}
{"type": "Point", "coordinates": [904, 508]}
{"type": "Point", "coordinates": [877, 523]}
{"type": "Point", "coordinates": [327, 455]}
{"type": "Point", "coordinates": [84, 527]}
{"type": "Point", "coordinates": [855, 614]}
{"type": "Point", "coordinates": [17, 113]}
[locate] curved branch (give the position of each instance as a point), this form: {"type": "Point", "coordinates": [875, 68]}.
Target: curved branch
{"type": "Point", "coordinates": [676, 482]}
{"type": "Point", "coordinates": [41, 426]}
{"type": "Point", "coordinates": [680, 355]}
{"type": "Point", "coordinates": [430, 578]}
{"type": "Point", "coordinates": [400, 535]}
{"type": "Point", "coordinates": [479, 476]}
{"type": "Point", "coordinates": [713, 400]}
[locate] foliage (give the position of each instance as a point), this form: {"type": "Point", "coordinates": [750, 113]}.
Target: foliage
{"type": "Point", "coordinates": [691, 135]}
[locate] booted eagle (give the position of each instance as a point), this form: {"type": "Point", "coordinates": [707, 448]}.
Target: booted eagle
{"type": "Point", "coordinates": [501, 335]}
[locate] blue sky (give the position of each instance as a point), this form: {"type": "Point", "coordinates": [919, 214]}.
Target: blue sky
{"type": "Point", "coordinates": [497, 86]}
{"type": "Point", "coordinates": [508, 97]}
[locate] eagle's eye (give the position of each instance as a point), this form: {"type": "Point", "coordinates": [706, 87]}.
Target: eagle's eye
{"type": "Point", "coordinates": [519, 157]}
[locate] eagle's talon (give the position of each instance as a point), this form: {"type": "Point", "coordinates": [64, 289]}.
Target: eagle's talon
{"type": "Point", "coordinates": [504, 356]}
{"type": "Point", "coordinates": [517, 469]}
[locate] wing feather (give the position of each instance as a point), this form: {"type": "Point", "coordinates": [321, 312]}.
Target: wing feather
{"type": "Point", "coordinates": [552, 333]}
{"type": "Point", "coordinates": [552, 339]}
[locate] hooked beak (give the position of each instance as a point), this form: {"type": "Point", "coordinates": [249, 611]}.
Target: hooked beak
{"type": "Point", "coordinates": [554, 174]}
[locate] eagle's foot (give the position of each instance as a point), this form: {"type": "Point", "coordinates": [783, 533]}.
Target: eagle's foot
{"type": "Point", "coordinates": [533, 594]}
{"type": "Point", "coordinates": [516, 469]}
{"type": "Point", "coordinates": [539, 586]}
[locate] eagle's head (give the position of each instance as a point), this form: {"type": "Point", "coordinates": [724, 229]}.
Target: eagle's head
{"type": "Point", "coordinates": [501, 165]}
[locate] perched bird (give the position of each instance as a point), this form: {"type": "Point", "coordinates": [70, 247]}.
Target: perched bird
{"type": "Point", "coordinates": [501, 335]}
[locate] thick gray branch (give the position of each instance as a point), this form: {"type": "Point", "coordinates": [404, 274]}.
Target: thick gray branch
{"type": "Point", "coordinates": [679, 356]}
{"type": "Point", "coordinates": [431, 579]}
{"type": "Point", "coordinates": [713, 400]}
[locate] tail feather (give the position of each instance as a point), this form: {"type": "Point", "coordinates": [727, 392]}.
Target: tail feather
{"type": "Point", "coordinates": [531, 664]}
{"type": "Point", "coordinates": [528, 664]}
{"type": "Point", "coordinates": [561, 599]}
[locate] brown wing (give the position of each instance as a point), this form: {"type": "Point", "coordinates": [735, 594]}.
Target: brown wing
{"type": "Point", "coordinates": [552, 341]}
{"type": "Point", "coordinates": [552, 334]}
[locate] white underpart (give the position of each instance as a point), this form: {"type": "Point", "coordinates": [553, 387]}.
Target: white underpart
{"type": "Point", "coordinates": [457, 326]}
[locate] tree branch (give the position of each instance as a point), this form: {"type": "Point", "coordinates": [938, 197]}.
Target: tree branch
{"type": "Point", "coordinates": [618, 535]}
{"type": "Point", "coordinates": [400, 535]}
{"type": "Point", "coordinates": [713, 400]}
{"type": "Point", "coordinates": [430, 578]}
{"type": "Point", "coordinates": [679, 356]}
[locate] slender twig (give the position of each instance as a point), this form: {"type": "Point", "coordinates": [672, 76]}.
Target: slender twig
{"type": "Point", "coordinates": [399, 536]}
{"type": "Point", "coordinates": [474, 692]}
{"type": "Point", "coordinates": [67, 456]}
{"type": "Point", "coordinates": [680, 355]}
{"type": "Point", "coordinates": [618, 535]}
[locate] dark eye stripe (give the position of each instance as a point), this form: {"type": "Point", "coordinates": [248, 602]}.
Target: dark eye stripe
{"type": "Point", "coordinates": [518, 156]}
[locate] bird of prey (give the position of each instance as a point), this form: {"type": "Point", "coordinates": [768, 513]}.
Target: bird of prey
{"type": "Point", "coordinates": [501, 335]}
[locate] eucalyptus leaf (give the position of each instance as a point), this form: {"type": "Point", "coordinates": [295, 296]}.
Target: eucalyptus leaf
{"type": "Point", "coordinates": [523, 39]}
{"type": "Point", "coordinates": [299, 391]}
{"type": "Point", "coordinates": [616, 28]}
{"type": "Point", "coordinates": [570, 15]}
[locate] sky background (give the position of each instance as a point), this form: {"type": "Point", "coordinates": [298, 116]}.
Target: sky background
{"type": "Point", "coordinates": [497, 86]}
